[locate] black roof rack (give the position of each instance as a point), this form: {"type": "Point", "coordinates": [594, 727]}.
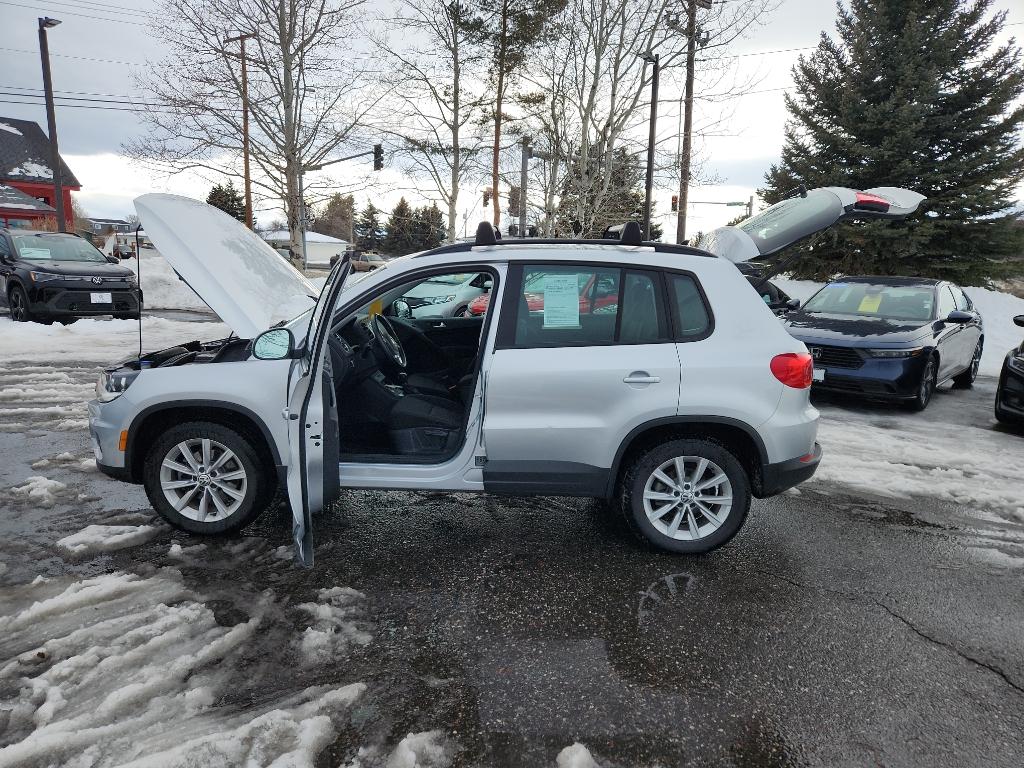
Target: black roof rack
{"type": "Point", "coordinates": [621, 234]}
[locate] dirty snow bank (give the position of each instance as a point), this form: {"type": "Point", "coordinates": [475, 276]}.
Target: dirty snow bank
{"type": "Point", "coordinates": [94, 539]}
{"type": "Point", "coordinates": [428, 749]}
{"type": "Point", "coordinates": [334, 628]}
{"type": "Point", "coordinates": [997, 309]}
{"type": "Point", "coordinates": [128, 670]}
{"type": "Point", "coordinates": [39, 490]}
{"type": "Point", "coordinates": [99, 340]}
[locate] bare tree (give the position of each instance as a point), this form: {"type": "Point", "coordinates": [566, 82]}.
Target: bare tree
{"type": "Point", "coordinates": [435, 92]}
{"type": "Point", "coordinates": [304, 103]}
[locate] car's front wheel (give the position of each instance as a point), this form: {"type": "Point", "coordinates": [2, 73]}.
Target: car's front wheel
{"type": "Point", "coordinates": [206, 478]}
{"type": "Point", "coordinates": [17, 301]}
{"type": "Point", "coordinates": [686, 496]}
{"type": "Point", "coordinates": [925, 386]}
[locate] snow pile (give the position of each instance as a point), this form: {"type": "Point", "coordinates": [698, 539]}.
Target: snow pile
{"type": "Point", "coordinates": [68, 460]}
{"type": "Point", "coordinates": [334, 628]}
{"type": "Point", "coordinates": [910, 455]}
{"type": "Point", "coordinates": [94, 539]}
{"type": "Point", "coordinates": [429, 749]}
{"type": "Point", "coordinates": [997, 310]}
{"type": "Point", "coordinates": [39, 491]}
{"type": "Point", "coordinates": [100, 340]}
{"type": "Point", "coordinates": [10, 129]}
{"type": "Point", "coordinates": [161, 287]}
{"type": "Point", "coordinates": [124, 670]}
{"type": "Point", "coordinates": [575, 756]}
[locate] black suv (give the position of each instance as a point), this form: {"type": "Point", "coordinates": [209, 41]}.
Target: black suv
{"type": "Point", "coordinates": [47, 276]}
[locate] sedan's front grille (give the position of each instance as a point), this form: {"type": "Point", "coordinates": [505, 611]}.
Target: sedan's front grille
{"type": "Point", "coordinates": [835, 357]}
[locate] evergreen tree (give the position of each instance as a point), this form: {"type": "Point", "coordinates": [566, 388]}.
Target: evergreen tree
{"type": "Point", "coordinates": [429, 227]}
{"type": "Point", "coordinates": [915, 94]}
{"type": "Point", "coordinates": [401, 237]}
{"type": "Point", "coordinates": [228, 199]}
{"type": "Point", "coordinates": [368, 231]}
{"type": "Point", "coordinates": [337, 217]}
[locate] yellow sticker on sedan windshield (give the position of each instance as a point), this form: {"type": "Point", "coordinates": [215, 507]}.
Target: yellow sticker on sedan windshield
{"type": "Point", "coordinates": [377, 307]}
{"type": "Point", "coordinates": [870, 303]}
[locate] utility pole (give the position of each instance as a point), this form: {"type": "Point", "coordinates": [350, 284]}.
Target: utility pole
{"type": "Point", "coordinates": [241, 38]}
{"type": "Point", "coordinates": [51, 122]}
{"type": "Point", "coordinates": [652, 59]}
{"type": "Point", "coordinates": [684, 164]}
{"type": "Point", "coordinates": [522, 186]}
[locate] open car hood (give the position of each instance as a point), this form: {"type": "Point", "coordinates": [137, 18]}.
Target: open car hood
{"type": "Point", "coordinates": [791, 220]}
{"type": "Point", "coordinates": [233, 270]}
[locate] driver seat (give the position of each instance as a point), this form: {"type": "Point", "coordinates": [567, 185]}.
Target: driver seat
{"type": "Point", "coordinates": [424, 424]}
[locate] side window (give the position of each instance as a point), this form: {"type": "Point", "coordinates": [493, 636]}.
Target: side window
{"type": "Point", "coordinates": [566, 306]}
{"type": "Point", "coordinates": [946, 302]}
{"type": "Point", "coordinates": [643, 317]}
{"type": "Point", "coordinates": [5, 250]}
{"type": "Point", "coordinates": [691, 313]}
{"type": "Point", "coordinates": [962, 302]}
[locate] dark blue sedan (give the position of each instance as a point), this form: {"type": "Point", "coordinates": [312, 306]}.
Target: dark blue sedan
{"type": "Point", "coordinates": [892, 338]}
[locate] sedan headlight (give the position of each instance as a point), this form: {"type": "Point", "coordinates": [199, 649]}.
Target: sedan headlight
{"type": "Point", "coordinates": [112, 384]}
{"type": "Point", "coordinates": [439, 299]}
{"type": "Point", "coordinates": [42, 277]}
{"type": "Point", "coordinates": [895, 353]}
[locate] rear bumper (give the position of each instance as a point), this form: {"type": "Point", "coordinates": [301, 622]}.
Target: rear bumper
{"type": "Point", "coordinates": [776, 478]}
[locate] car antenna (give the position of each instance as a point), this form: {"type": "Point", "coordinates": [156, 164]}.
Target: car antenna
{"type": "Point", "coordinates": [138, 279]}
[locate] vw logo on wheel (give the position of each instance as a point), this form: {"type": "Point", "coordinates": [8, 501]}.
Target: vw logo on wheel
{"type": "Point", "coordinates": [97, 280]}
{"type": "Point", "coordinates": [816, 352]}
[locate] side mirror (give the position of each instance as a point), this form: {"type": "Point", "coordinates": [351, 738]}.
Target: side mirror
{"type": "Point", "coordinates": [275, 344]}
{"type": "Point", "coordinates": [793, 304]}
{"type": "Point", "coordinates": [113, 259]}
{"type": "Point", "coordinates": [1019, 321]}
{"type": "Point", "coordinates": [401, 308]}
{"type": "Point", "coordinates": [958, 317]}
{"type": "Point", "coordinates": [486, 287]}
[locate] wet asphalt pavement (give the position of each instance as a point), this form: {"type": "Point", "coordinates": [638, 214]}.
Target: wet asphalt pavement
{"type": "Point", "coordinates": [836, 628]}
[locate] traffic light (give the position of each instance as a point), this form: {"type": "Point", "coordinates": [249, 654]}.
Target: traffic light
{"type": "Point", "coordinates": [675, 203]}
{"type": "Point", "coordinates": [487, 197]}
{"type": "Point", "coordinates": [378, 157]}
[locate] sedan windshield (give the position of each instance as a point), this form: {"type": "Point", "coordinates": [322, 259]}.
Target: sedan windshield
{"type": "Point", "coordinates": [56, 248]}
{"type": "Point", "coordinates": [874, 300]}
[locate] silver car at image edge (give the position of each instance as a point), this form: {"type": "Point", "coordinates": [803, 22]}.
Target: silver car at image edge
{"type": "Point", "coordinates": [680, 397]}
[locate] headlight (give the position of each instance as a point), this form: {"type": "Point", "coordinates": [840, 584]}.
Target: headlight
{"type": "Point", "coordinates": [895, 353]}
{"type": "Point", "coordinates": [132, 281]}
{"type": "Point", "coordinates": [42, 277]}
{"type": "Point", "coordinates": [111, 384]}
{"type": "Point", "coordinates": [440, 299]}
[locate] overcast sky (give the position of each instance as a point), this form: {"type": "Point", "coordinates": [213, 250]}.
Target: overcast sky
{"type": "Point", "coordinates": [100, 42]}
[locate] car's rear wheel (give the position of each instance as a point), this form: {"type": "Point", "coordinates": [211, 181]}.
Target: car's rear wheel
{"type": "Point", "coordinates": [686, 496]}
{"type": "Point", "coordinates": [206, 478]}
{"type": "Point", "coordinates": [966, 379]}
{"type": "Point", "coordinates": [925, 387]}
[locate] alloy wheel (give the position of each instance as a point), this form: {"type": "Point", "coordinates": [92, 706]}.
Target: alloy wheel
{"type": "Point", "coordinates": [687, 498]}
{"type": "Point", "coordinates": [927, 383]}
{"type": "Point", "coordinates": [203, 480]}
{"type": "Point", "coordinates": [17, 300]}
{"type": "Point", "coordinates": [976, 361]}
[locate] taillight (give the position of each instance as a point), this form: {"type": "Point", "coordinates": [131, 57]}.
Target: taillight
{"type": "Point", "coordinates": [866, 202]}
{"type": "Point", "coordinates": [794, 369]}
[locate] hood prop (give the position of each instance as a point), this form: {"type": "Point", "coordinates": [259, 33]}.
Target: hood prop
{"type": "Point", "coordinates": [138, 273]}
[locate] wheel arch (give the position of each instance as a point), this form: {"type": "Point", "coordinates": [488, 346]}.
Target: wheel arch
{"type": "Point", "coordinates": [152, 421]}
{"type": "Point", "coordinates": [733, 433]}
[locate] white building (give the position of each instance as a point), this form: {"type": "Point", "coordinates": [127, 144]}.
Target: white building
{"type": "Point", "coordinates": [321, 247]}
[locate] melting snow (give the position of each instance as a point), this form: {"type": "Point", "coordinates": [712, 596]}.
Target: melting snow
{"type": "Point", "coordinates": [428, 749]}
{"type": "Point", "coordinates": [575, 756]}
{"type": "Point", "coordinates": [39, 490]}
{"type": "Point", "coordinates": [32, 170]}
{"type": "Point", "coordinates": [334, 627]}
{"type": "Point", "coordinates": [94, 539]}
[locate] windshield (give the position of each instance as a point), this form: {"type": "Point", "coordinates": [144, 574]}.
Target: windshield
{"type": "Point", "coordinates": [874, 300]}
{"type": "Point", "coordinates": [55, 248]}
{"type": "Point", "coordinates": [450, 279]}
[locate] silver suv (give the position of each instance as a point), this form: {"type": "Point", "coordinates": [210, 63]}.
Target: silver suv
{"type": "Point", "coordinates": [646, 373]}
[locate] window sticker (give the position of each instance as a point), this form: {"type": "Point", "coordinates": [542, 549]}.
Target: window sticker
{"type": "Point", "coordinates": [561, 301]}
{"type": "Point", "coordinates": [870, 303]}
{"type": "Point", "coordinates": [34, 253]}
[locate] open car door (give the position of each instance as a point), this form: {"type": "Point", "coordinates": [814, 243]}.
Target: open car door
{"type": "Point", "coordinates": [312, 414]}
{"type": "Point", "coordinates": [791, 220]}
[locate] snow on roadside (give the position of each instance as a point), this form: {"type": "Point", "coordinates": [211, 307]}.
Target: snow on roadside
{"type": "Point", "coordinates": [428, 749]}
{"type": "Point", "coordinates": [997, 310]}
{"type": "Point", "coordinates": [161, 286]}
{"type": "Point", "coordinates": [97, 340]}
{"type": "Point", "coordinates": [39, 491]}
{"type": "Point", "coordinates": [95, 539]}
{"type": "Point", "coordinates": [334, 628]}
{"type": "Point", "coordinates": [122, 669]}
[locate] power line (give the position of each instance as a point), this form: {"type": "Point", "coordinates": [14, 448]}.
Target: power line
{"type": "Point", "coordinates": [78, 58]}
{"type": "Point", "coordinates": [72, 13]}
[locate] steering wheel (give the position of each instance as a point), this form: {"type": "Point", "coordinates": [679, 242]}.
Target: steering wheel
{"type": "Point", "coordinates": [385, 341]}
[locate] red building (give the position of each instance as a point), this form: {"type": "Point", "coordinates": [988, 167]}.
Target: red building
{"type": "Point", "coordinates": [25, 167]}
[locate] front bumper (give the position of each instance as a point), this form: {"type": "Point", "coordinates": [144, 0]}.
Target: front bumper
{"type": "Point", "coordinates": [1010, 392]}
{"type": "Point", "coordinates": [64, 300]}
{"type": "Point", "coordinates": [106, 422]}
{"type": "Point", "coordinates": [776, 478]}
{"type": "Point", "coordinates": [888, 379]}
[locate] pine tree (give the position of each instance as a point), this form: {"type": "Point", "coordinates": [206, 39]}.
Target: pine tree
{"type": "Point", "coordinates": [368, 231]}
{"type": "Point", "coordinates": [915, 94]}
{"type": "Point", "coordinates": [337, 217]}
{"type": "Point", "coordinates": [228, 199]}
{"type": "Point", "coordinates": [429, 227]}
{"type": "Point", "coordinates": [401, 237]}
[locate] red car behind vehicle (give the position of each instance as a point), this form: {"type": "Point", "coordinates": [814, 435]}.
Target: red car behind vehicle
{"type": "Point", "coordinates": [607, 294]}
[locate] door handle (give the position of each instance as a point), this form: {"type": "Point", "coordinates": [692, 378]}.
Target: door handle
{"type": "Point", "coordinates": [641, 377]}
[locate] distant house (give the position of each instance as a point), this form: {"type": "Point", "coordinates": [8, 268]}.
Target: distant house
{"type": "Point", "coordinates": [25, 167]}
{"type": "Point", "coordinates": [321, 247]}
{"type": "Point", "coordinates": [109, 225]}
{"type": "Point", "coordinates": [18, 209]}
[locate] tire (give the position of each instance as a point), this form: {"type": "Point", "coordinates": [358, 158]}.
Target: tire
{"type": "Point", "coordinates": [670, 524]}
{"type": "Point", "coordinates": [461, 312]}
{"type": "Point", "coordinates": [965, 379]}
{"type": "Point", "coordinates": [134, 316]}
{"type": "Point", "coordinates": [925, 387]}
{"type": "Point", "coordinates": [17, 301]}
{"type": "Point", "coordinates": [68, 320]}
{"type": "Point", "coordinates": [252, 491]}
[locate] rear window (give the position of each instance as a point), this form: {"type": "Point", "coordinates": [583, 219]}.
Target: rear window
{"type": "Point", "coordinates": [791, 220]}
{"type": "Point", "coordinates": [874, 300]}
{"type": "Point", "coordinates": [582, 305]}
